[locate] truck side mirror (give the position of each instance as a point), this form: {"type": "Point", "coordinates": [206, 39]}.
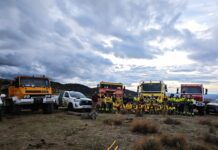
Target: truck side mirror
{"type": "Point", "coordinates": [2, 95]}
{"type": "Point", "coordinates": [206, 91]}
{"type": "Point", "coordinates": [177, 91]}
{"type": "Point", "coordinates": [137, 89]}
{"type": "Point", "coordinates": [165, 88]}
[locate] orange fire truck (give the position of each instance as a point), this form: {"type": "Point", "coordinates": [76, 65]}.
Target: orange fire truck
{"type": "Point", "coordinates": [28, 92]}
{"type": "Point", "coordinates": [111, 89]}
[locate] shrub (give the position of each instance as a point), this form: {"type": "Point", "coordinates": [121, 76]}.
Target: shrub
{"type": "Point", "coordinates": [205, 122]}
{"type": "Point", "coordinates": [212, 130]}
{"type": "Point", "coordinates": [212, 139]}
{"type": "Point", "coordinates": [118, 120]}
{"type": "Point", "coordinates": [172, 121]}
{"type": "Point", "coordinates": [177, 141]}
{"type": "Point", "coordinates": [198, 147]}
{"type": "Point", "coordinates": [144, 126]}
{"type": "Point", "coordinates": [148, 144]}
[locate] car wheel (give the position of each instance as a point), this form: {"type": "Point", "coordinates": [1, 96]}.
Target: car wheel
{"type": "Point", "coordinates": [70, 107]}
{"type": "Point", "coordinates": [48, 108]}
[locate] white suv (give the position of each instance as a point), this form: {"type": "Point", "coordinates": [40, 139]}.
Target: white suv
{"type": "Point", "coordinates": [74, 101]}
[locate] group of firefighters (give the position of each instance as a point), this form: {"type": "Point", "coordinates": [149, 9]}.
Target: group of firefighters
{"type": "Point", "coordinates": [149, 104]}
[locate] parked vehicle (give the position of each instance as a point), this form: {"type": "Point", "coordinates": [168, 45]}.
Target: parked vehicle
{"type": "Point", "coordinates": [74, 101]}
{"type": "Point", "coordinates": [28, 92]}
{"type": "Point", "coordinates": [212, 107]}
{"type": "Point", "coordinates": [1, 105]}
{"type": "Point", "coordinates": [197, 92]}
{"type": "Point", "coordinates": [157, 89]}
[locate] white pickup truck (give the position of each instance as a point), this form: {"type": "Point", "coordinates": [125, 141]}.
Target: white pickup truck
{"type": "Point", "coordinates": [74, 101]}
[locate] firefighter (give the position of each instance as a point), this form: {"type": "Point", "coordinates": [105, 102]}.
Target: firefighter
{"type": "Point", "coordinates": [103, 103]}
{"type": "Point", "coordinates": [109, 103]}
{"type": "Point", "coordinates": [95, 99]}
{"type": "Point", "coordinates": [128, 107]}
{"type": "Point", "coordinates": [191, 103]}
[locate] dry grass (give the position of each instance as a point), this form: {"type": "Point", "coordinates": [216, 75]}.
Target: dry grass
{"type": "Point", "coordinates": [198, 147]}
{"type": "Point", "coordinates": [212, 139]}
{"type": "Point", "coordinates": [148, 144]}
{"type": "Point", "coordinates": [144, 126]}
{"type": "Point", "coordinates": [172, 121]}
{"type": "Point", "coordinates": [176, 141]}
{"type": "Point", "coordinates": [212, 130]}
{"type": "Point", "coordinates": [205, 122]}
{"type": "Point", "coordinates": [118, 120]}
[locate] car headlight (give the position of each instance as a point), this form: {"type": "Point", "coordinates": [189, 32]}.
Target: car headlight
{"type": "Point", "coordinates": [26, 96]}
{"type": "Point", "coordinates": [76, 100]}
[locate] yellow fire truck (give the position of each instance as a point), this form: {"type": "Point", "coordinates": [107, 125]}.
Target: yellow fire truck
{"type": "Point", "coordinates": [28, 92]}
{"type": "Point", "coordinates": [155, 89]}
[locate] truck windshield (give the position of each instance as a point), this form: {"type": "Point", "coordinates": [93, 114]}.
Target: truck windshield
{"type": "Point", "coordinates": [34, 82]}
{"type": "Point", "coordinates": [111, 86]}
{"type": "Point", "coordinates": [77, 95]}
{"type": "Point", "coordinates": [191, 90]}
{"type": "Point", "coordinates": [153, 87]}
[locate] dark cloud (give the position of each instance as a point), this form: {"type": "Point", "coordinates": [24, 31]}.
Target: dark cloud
{"type": "Point", "coordinates": [61, 39]}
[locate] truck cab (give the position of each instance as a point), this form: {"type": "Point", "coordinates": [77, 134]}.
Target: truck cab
{"type": "Point", "coordinates": [29, 92]}
{"type": "Point", "coordinates": [197, 92]}
{"type": "Point", "coordinates": [155, 89]}
{"type": "Point", "coordinates": [111, 89]}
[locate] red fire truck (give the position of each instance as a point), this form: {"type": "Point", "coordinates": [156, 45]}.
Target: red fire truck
{"type": "Point", "coordinates": [197, 92]}
{"type": "Point", "coordinates": [111, 89]}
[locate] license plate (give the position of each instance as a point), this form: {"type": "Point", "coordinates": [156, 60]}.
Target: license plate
{"type": "Point", "coordinates": [199, 104]}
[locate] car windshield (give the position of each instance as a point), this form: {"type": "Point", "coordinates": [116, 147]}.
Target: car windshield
{"type": "Point", "coordinates": [153, 87]}
{"type": "Point", "coordinates": [191, 90]}
{"type": "Point", "coordinates": [77, 95]}
{"type": "Point", "coordinates": [34, 82]}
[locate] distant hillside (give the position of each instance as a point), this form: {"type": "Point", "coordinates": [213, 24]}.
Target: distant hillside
{"type": "Point", "coordinates": [58, 87]}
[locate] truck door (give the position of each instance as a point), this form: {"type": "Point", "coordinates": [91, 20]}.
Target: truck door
{"type": "Point", "coordinates": [66, 99]}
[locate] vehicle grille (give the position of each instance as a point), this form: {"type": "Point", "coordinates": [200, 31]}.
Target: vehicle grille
{"type": "Point", "coordinates": [85, 103]}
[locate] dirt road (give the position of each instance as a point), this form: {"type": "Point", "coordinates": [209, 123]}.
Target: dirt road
{"type": "Point", "coordinates": [62, 131]}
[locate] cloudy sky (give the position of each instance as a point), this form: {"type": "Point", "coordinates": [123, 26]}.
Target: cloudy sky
{"type": "Point", "coordinates": [87, 41]}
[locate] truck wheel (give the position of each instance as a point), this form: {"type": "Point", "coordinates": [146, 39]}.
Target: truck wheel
{"type": "Point", "coordinates": [48, 108]}
{"type": "Point", "coordinates": [70, 107]}
{"type": "Point", "coordinates": [1, 111]}
{"type": "Point", "coordinates": [201, 111]}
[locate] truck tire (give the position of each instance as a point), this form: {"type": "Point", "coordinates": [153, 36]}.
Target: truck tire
{"type": "Point", "coordinates": [70, 107]}
{"type": "Point", "coordinates": [201, 111]}
{"type": "Point", "coordinates": [48, 108]}
{"type": "Point", "coordinates": [1, 112]}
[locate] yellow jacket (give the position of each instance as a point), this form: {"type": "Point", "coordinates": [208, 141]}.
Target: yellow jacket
{"type": "Point", "coordinates": [128, 106]}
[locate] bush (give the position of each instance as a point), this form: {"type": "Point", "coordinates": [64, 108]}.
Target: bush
{"type": "Point", "coordinates": [212, 130]}
{"type": "Point", "coordinates": [212, 139]}
{"type": "Point", "coordinates": [176, 141]}
{"type": "Point", "coordinates": [118, 120]}
{"type": "Point", "coordinates": [144, 126]}
{"type": "Point", "coordinates": [198, 147]}
{"type": "Point", "coordinates": [205, 122]}
{"type": "Point", "coordinates": [148, 144]}
{"type": "Point", "coordinates": [172, 121]}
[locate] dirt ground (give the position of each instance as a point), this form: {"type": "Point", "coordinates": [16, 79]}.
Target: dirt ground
{"type": "Point", "coordinates": [62, 131]}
